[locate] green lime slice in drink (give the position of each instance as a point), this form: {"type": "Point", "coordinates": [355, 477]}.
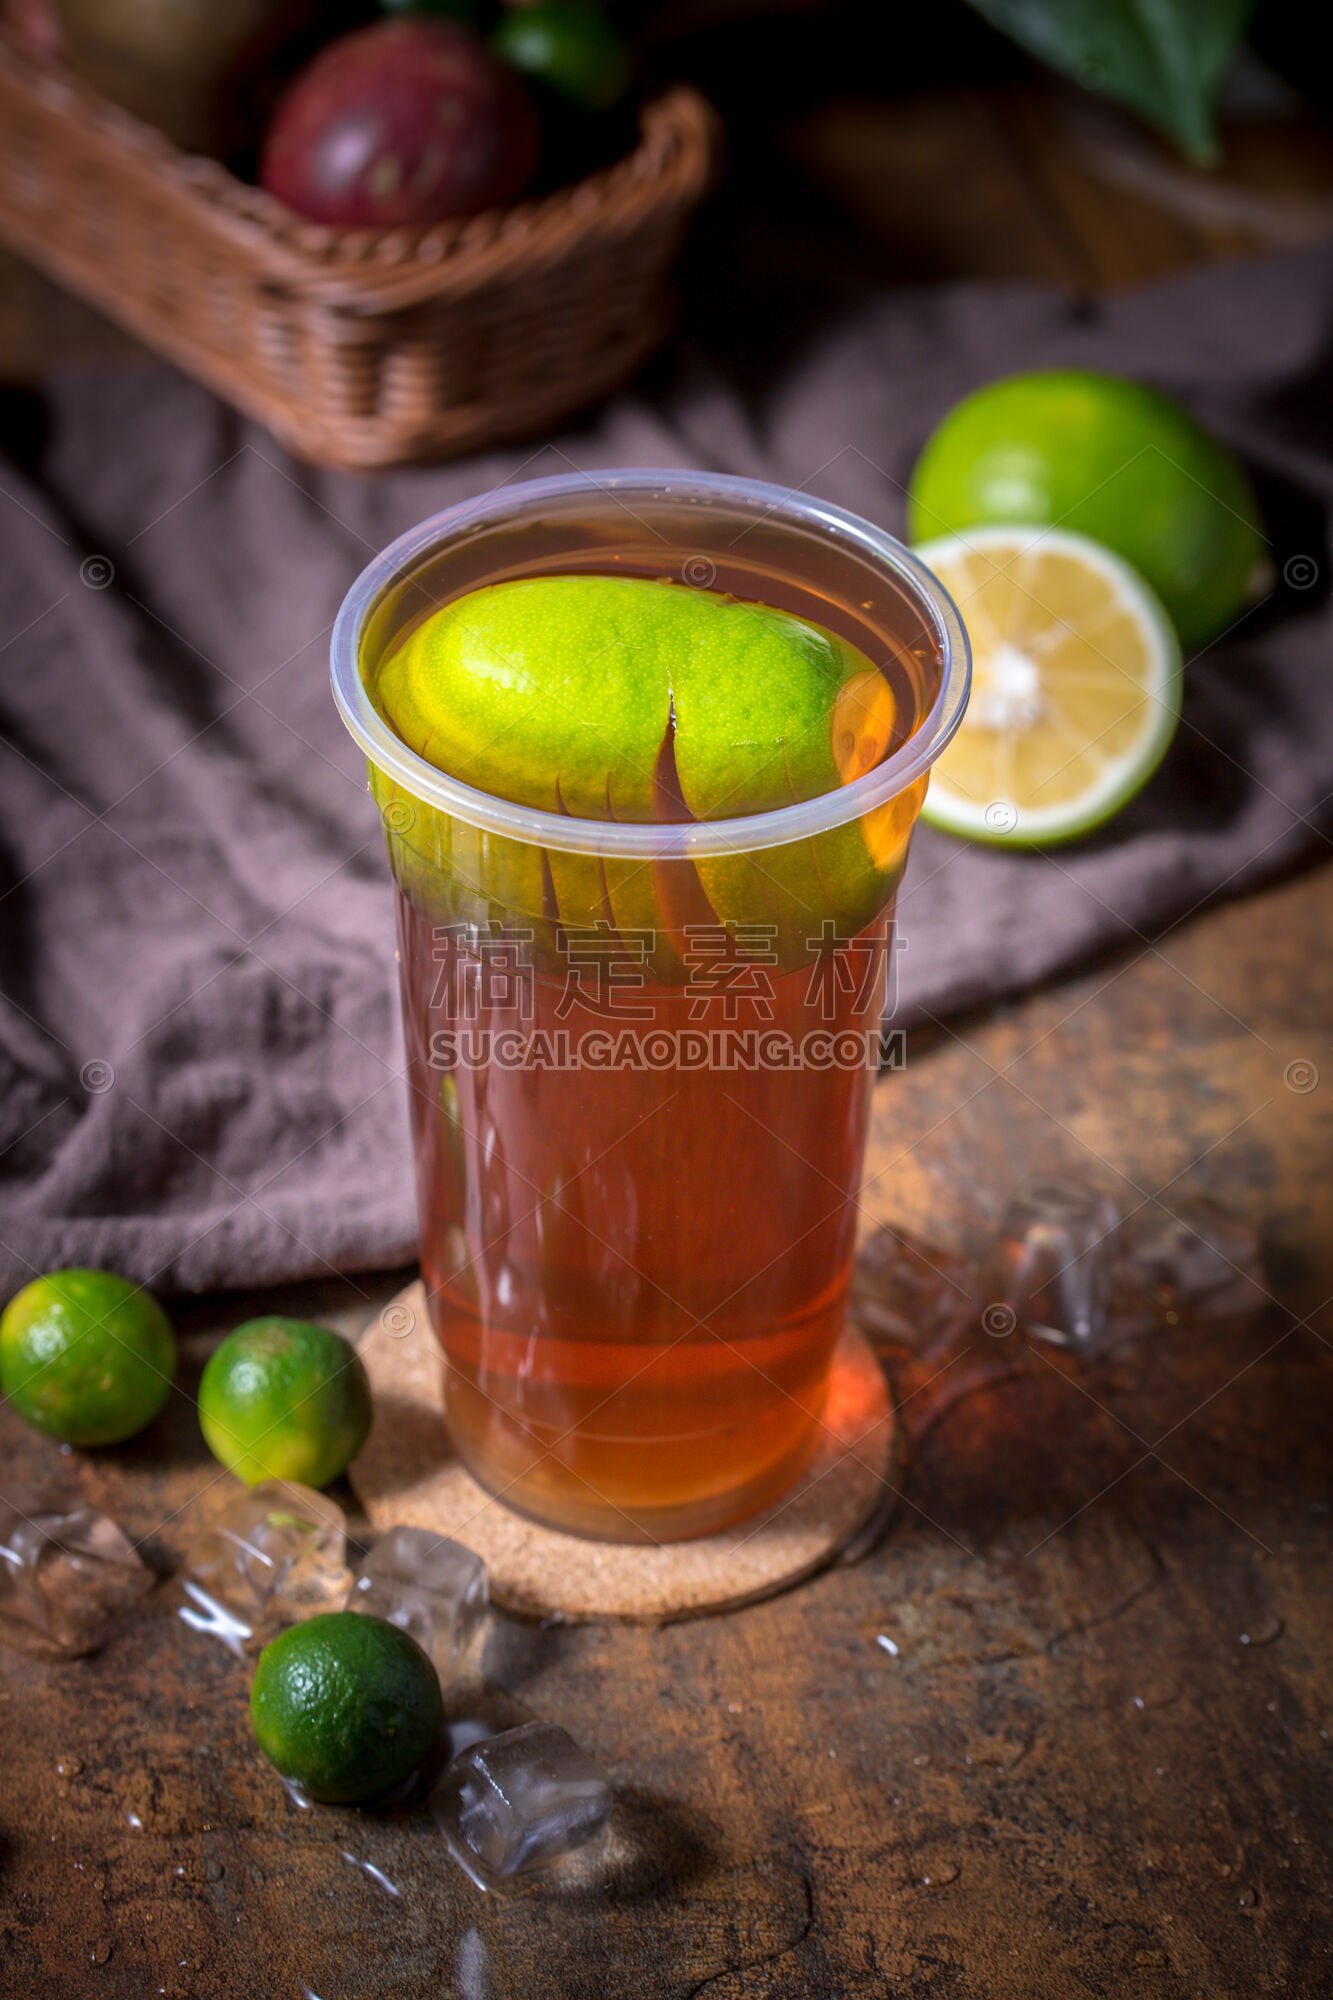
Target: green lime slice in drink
{"type": "Point", "coordinates": [639, 700]}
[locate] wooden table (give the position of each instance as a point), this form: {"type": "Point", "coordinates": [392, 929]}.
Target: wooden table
{"type": "Point", "coordinates": [1098, 1763]}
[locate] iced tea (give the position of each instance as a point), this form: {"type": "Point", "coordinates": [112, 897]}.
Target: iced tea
{"type": "Point", "coordinates": [639, 1143]}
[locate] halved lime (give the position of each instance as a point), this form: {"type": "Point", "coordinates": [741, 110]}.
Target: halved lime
{"type": "Point", "coordinates": [1105, 457]}
{"type": "Point", "coordinates": [1075, 690]}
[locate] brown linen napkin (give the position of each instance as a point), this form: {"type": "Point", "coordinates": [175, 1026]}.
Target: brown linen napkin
{"type": "Point", "coordinates": [199, 1047]}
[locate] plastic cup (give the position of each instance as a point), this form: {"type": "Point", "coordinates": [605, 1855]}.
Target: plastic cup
{"type": "Point", "coordinates": [640, 1055]}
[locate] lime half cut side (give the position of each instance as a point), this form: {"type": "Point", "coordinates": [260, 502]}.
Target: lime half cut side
{"type": "Point", "coordinates": [1076, 677]}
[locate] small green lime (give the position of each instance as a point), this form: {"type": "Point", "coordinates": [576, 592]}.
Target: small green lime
{"type": "Point", "coordinates": [285, 1399]}
{"type": "Point", "coordinates": [346, 1706]}
{"type": "Point", "coordinates": [1109, 459]}
{"type": "Point", "coordinates": [86, 1356]}
{"type": "Point", "coordinates": [568, 45]}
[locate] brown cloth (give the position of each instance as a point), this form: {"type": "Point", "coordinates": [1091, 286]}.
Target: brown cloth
{"type": "Point", "coordinates": [199, 1050]}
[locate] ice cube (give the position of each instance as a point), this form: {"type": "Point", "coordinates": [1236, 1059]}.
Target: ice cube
{"type": "Point", "coordinates": [1053, 1260]}
{"type": "Point", "coordinates": [907, 1291]}
{"type": "Point", "coordinates": [520, 1801]}
{"type": "Point", "coordinates": [1195, 1262]}
{"type": "Point", "coordinates": [1200, 1257]}
{"type": "Point", "coordinates": [434, 1588]}
{"type": "Point", "coordinates": [67, 1575]}
{"type": "Point", "coordinates": [273, 1554]}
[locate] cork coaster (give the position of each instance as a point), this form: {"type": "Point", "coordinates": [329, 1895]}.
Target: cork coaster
{"type": "Point", "coordinates": [406, 1474]}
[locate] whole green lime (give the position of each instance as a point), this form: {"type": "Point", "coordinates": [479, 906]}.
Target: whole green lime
{"type": "Point", "coordinates": [285, 1399]}
{"type": "Point", "coordinates": [1106, 458]}
{"type": "Point", "coordinates": [346, 1706]}
{"type": "Point", "coordinates": [86, 1356]}
{"type": "Point", "coordinates": [569, 45]}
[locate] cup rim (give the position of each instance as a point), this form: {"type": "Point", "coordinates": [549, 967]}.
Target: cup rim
{"type": "Point", "coordinates": [638, 839]}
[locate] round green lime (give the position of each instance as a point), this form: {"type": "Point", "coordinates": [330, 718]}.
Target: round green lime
{"type": "Point", "coordinates": [285, 1399]}
{"type": "Point", "coordinates": [346, 1706]}
{"type": "Point", "coordinates": [86, 1356]}
{"type": "Point", "coordinates": [570, 46]}
{"type": "Point", "coordinates": [1110, 459]}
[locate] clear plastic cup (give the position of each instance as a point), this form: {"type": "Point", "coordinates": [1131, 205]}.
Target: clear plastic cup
{"type": "Point", "coordinates": [640, 1054]}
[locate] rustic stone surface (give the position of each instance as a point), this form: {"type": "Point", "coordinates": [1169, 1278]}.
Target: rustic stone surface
{"type": "Point", "coordinates": [1075, 1778]}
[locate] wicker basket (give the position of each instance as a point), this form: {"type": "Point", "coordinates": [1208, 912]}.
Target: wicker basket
{"type": "Point", "coordinates": [357, 347]}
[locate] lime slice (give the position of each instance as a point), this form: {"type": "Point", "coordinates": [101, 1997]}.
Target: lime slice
{"type": "Point", "coordinates": [641, 700]}
{"type": "Point", "coordinates": [1075, 689]}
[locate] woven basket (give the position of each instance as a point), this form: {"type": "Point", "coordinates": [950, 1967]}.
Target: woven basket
{"type": "Point", "coordinates": [356, 347]}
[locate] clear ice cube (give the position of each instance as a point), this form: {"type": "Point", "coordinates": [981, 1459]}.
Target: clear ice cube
{"type": "Point", "coordinates": [1196, 1262]}
{"type": "Point", "coordinates": [67, 1575]}
{"type": "Point", "coordinates": [908, 1291]}
{"type": "Point", "coordinates": [433, 1587]}
{"type": "Point", "coordinates": [1053, 1261]}
{"type": "Point", "coordinates": [275, 1553]}
{"type": "Point", "coordinates": [520, 1801]}
{"type": "Point", "coordinates": [1201, 1255]}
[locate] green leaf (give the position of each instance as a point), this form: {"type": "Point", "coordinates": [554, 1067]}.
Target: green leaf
{"type": "Point", "coordinates": [1164, 58]}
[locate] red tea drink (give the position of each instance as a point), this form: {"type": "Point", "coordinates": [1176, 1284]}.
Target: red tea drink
{"type": "Point", "coordinates": [640, 1055]}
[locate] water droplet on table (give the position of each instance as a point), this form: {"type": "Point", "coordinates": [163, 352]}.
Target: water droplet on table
{"type": "Point", "coordinates": [68, 1767]}
{"type": "Point", "coordinates": [200, 1871]}
{"type": "Point", "coordinates": [99, 1953]}
{"type": "Point", "coordinates": [942, 1873]}
{"type": "Point", "coordinates": [1262, 1631]}
{"type": "Point", "coordinates": [888, 1645]}
{"type": "Point", "coordinates": [375, 1874]}
{"type": "Point", "coordinates": [471, 1965]}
